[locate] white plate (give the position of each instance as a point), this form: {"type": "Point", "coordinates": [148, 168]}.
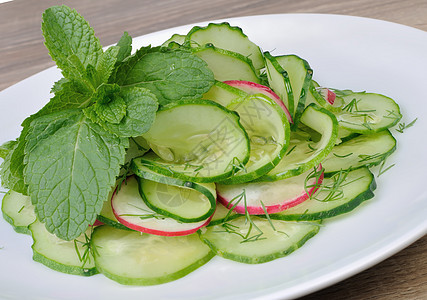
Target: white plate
{"type": "Point", "coordinates": [344, 52]}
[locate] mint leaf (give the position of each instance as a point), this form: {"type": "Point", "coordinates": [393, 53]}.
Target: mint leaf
{"type": "Point", "coordinates": [70, 40]}
{"type": "Point", "coordinates": [11, 172]}
{"type": "Point", "coordinates": [105, 92]}
{"type": "Point", "coordinates": [58, 85]}
{"type": "Point", "coordinates": [6, 148]}
{"type": "Point", "coordinates": [171, 74]}
{"type": "Point", "coordinates": [71, 166]}
{"type": "Point", "coordinates": [111, 112]}
{"type": "Point", "coordinates": [141, 107]}
{"type": "Point", "coordinates": [106, 63]}
{"type": "Point", "coordinates": [125, 46]}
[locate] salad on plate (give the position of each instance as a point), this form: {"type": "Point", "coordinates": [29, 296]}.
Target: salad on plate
{"type": "Point", "coordinates": [146, 163]}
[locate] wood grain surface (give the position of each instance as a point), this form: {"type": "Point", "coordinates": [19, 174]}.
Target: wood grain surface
{"type": "Point", "coordinates": [22, 53]}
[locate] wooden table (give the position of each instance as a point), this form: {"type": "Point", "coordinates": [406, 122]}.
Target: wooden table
{"type": "Point", "coordinates": [404, 275]}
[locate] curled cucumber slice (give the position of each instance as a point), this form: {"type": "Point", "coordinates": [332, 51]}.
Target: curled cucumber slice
{"type": "Point", "coordinates": [279, 81]}
{"type": "Point", "coordinates": [182, 200]}
{"type": "Point", "coordinates": [304, 153]}
{"type": "Point", "coordinates": [268, 130]}
{"type": "Point", "coordinates": [226, 64]}
{"type": "Point", "coordinates": [300, 74]}
{"type": "Point", "coordinates": [196, 140]}
{"type": "Point", "coordinates": [224, 36]}
{"type": "Point", "coordinates": [130, 210]}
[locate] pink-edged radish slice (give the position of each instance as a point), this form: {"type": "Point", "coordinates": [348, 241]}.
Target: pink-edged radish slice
{"type": "Point", "coordinates": [258, 198]}
{"type": "Point", "coordinates": [255, 88]}
{"type": "Point", "coordinates": [97, 223]}
{"type": "Point", "coordinates": [327, 94]}
{"type": "Point", "coordinates": [131, 211]}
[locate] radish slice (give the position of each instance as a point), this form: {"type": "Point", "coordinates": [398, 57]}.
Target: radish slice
{"type": "Point", "coordinates": [97, 223]}
{"type": "Point", "coordinates": [327, 94]}
{"type": "Point", "coordinates": [255, 88]}
{"type": "Point", "coordinates": [275, 196]}
{"type": "Point", "coordinates": [131, 211]}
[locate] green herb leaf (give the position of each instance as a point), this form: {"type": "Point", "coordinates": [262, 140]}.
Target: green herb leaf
{"type": "Point", "coordinates": [111, 112]}
{"type": "Point", "coordinates": [125, 47]}
{"type": "Point", "coordinates": [71, 166]}
{"type": "Point", "coordinates": [11, 172]}
{"type": "Point", "coordinates": [12, 168]}
{"type": "Point", "coordinates": [403, 126]}
{"type": "Point", "coordinates": [141, 107]}
{"type": "Point", "coordinates": [70, 40]}
{"type": "Point", "coordinates": [171, 74]}
{"type": "Point", "coordinates": [106, 63]}
{"type": "Point", "coordinates": [6, 148]}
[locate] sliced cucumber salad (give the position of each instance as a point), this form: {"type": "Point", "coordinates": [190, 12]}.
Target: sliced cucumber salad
{"type": "Point", "coordinates": [248, 169]}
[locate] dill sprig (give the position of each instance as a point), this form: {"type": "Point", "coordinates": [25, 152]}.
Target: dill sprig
{"type": "Point", "coordinates": [237, 165]}
{"type": "Point", "coordinates": [384, 169]}
{"type": "Point", "coordinates": [89, 249]}
{"type": "Point", "coordinates": [366, 157]}
{"type": "Point", "coordinates": [290, 151]}
{"type": "Point", "coordinates": [147, 215]}
{"type": "Point", "coordinates": [351, 105]}
{"type": "Point", "coordinates": [402, 126]}
{"type": "Point", "coordinates": [315, 173]}
{"type": "Point", "coordinates": [342, 156]}
{"type": "Point", "coordinates": [334, 190]}
{"type": "Point", "coordinates": [267, 215]}
{"type": "Point", "coordinates": [233, 229]}
{"type": "Point", "coordinates": [122, 178]}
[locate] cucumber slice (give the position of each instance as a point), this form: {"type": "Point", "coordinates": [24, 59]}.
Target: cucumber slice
{"type": "Point", "coordinates": [227, 37]}
{"type": "Point", "coordinates": [368, 113]}
{"type": "Point", "coordinates": [227, 65]}
{"type": "Point", "coordinates": [131, 211]}
{"type": "Point", "coordinates": [305, 154]}
{"type": "Point", "coordinates": [18, 211]}
{"type": "Point", "coordinates": [278, 79]}
{"type": "Point", "coordinates": [363, 150]}
{"type": "Point", "coordinates": [339, 194]}
{"type": "Point", "coordinates": [133, 258]}
{"type": "Point", "coordinates": [258, 198]}
{"type": "Point", "coordinates": [300, 74]}
{"type": "Point", "coordinates": [314, 95]}
{"type": "Point", "coordinates": [268, 129]}
{"type": "Point", "coordinates": [224, 94]}
{"type": "Point", "coordinates": [259, 240]}
{"type": "Point", "coordinates": [345, 135]}
{"type": "Point", "coordinates": [71, 257]}
{"type": "Point", "coordinates": [181, 200]}
{"type": "Point", "coordinates": [198, 141]}
{"type": "Point", "coordinates": [175, 38]}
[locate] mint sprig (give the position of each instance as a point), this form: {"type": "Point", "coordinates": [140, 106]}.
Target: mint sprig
{"type": "Point", "coordinates": [70, 152]}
